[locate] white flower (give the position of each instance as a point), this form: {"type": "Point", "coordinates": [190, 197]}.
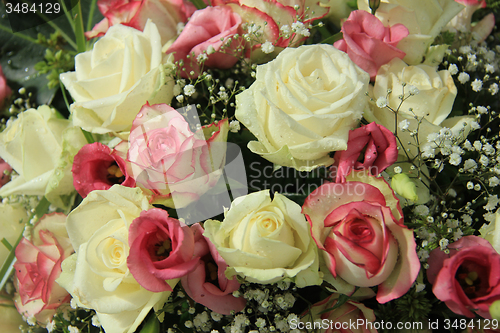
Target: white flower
{"type": "Point", "coordinates": [482, 110]}
{"type": "Point", "coordinates": [73, 329]}
{"type": "Point", "coordinates": [381, 102]}
{"type": "Point", "coordinates": [477, 85]}
{"type": "Point", "coordinates": [202, 57]}
{"type": "Point", "coordinates": [267, 47]}
{"type": "Point", "coordinates": [189, 90]}
{"type": "Point", "coordinates": [492, 202]}
{"type": "Point", "coordinates": [421, 210]}
{"type": "Point", "coordinates": [463, 77]}
{"type": "Point", "coordinates": [300, 29]}
{"type": "Point", "coordinates": [494, 181]}
{"type": "Point", "coordinates": [465, 49]}
{"type": "Point", "coordinates": [453, 69]}
{"type": "Point", "coordinates": [470, 185]}
{"type": "Point", "coordinates": [478, 145]}
{"type": "Point", "coordinates": [285, 29]}
{"type": "Point", "coordinates": [455, 159]}
{"type": "Point", "coordinates": [398, 169]}
{"type": "Point", "coordinates": [210, 49]}
{"type": "Point", "coordinates": [234, 126]}
{"type": "Point", "coordinates": [180, 98]}
{"type": "Point", "coordinates": [489, 68]}
{"type": "Point", "coordinates": [493, 89]}
{"type": "Point", "coordinates": [470, 165]}
{"type": "Point", "coordinates": [413, 90]}
{"type": "Point", "coordinates": [180, 26]}
{"type": "Point", "coordinates": [467, 145]}
{"type": "Point", "coordinates": [457, 235]}
{"type": "Point", "coordinates": [51, 325]}
{"type": "Point", "coordinates": [484, 160]}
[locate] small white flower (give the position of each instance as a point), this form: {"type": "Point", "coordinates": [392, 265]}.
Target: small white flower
{"type": "Point", "coordinates": [300, 29]}
{"type": "Point", "coordinates": [202, 57]}
{"type": "Point", "coordinates": [455, 159]}
{"type": "Point", "coordinates": [381, 102]}
{"type": "Point", "coordinates": [403, 125]}
{"type": "Point", "coordinates": [189, 90]}
{"type": "Point", "coordinates": [180, 27]}
{"type": "Point", "coordinates": [468, 145]}
{"type": "Point", "coordinates": [475, 125]}
{"type": "Point", "coordinates": [488, 149]}
{"type": "Point", "coordinates": [470, 165]}
{"type": "Point", "coordinates": [489, 68]}
{"type": "Point", "coordinates": [470, 185]}
{"type": "Point", "coordinates": [73, 304]}
{"type": "Point", "coordinates": [443, 243]}
{"type": "Point", "coordinates": [457, 235]}
{"type": "Point", "coordinates": [432, 137]}
{"type": "Point", "coordinates": [477, 85]}
{"type": "Point", "coordinates": [216, 316]}
{"type": "Point", "coordinates": [210, 49]}
{"type": "Point", "coordinates": [267, 47]}
{"type": "Point", "coordinates": [31, 320]}
{"type": "Point", "coordinates": [494, 181]}
{"type": "Point", "coordinates": [492, 202]}
{"type": "Point", "coordinates": [73, 329]}
{"type": "Point", "coordinates": [51, 325]}
{"type": "Point", "coordinates": [463, 77]}
{"type": "Point", "coordinates": [453, 69]}
{"type": "Point", "coordinates": [482, 110]}
{"type": "Point", "coordinates": [234, 126]}
{"type": "Point", "coordinates": [419, 287]}
{"type": "Point", "coordinates": [398, 169]}
{"type": "Point", "coordinates": [493, 89]}
{"type": "Point", "coordinates": [285, 29]}
{"type": "Point", "coordinates": [428, 152]}
{"type": "Point", "coordinates": [465, 49]}
{"type": "Point", "coordinates": [188, 323]}
{"type": "Point", "coordinates": [421, 210]}
{"type": "Point", "coordinates": [95, 321]}
{"type": "Point", "coordinates": [180, 98]}
{"type": "Point", "coordinates": [484, 160]}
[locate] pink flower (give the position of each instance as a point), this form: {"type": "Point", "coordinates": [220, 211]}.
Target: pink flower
{"type": "Point", "coordinates": [176, 165]}
{"type": "Point", "coordinates": [380, 151]}
{"type": "Point", "coordinates": [339, 319]}
{"type": "Point", "coordinates": [369, 43]}
{"type": "Point", "coordinates": [207, 284]}
{"type": "Point", "coordinates": [5, 91]}
{"type": "Point", "coordinates": [39, 265]}
{"type": "Point", "coordinates": [482, 3]}
{"type": "Point", "coordinates": [161, 248]}
{"type": "Point", "coordinates": [5, 168]}
{"type": "Point", "coordinates": [359, 227]}
{"type": "Point", "coordinates": [165, 14]}
{"type": "Point", "coordinates": [96, 167]}
{"type": "Point", "coordinates": [468, 278]}
{"type": "Point", "coordinates": [209, 27]}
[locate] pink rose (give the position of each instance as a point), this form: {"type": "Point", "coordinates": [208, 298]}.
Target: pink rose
{"type": "Point", "coordinates": [161, 248]}
{"type": "Point", "coordinates": [176, 165]}
{"type": "Point", "coordinates": [359, 227]}
{"type": "Point", "coordinates": [380, 151]}
{"type": "Point", "coordinates": [482, 3]}
{"type": "Point", "coordinates": [207, 284]}
{"type": "Point", "coordinates": [339, 319]}
{"type": "Point", "coordinates": [39, 265]}
{"type": "Point", "coordinates": [369, 43]}
{"type": "Point", "coordinates": [97, 167]}
{"type": "Point", "coordinates": [468, 278]}
{"type": "Point", "coordinates": [165, 14]}
{"type": "Point", "coordinates": [5, 91]}
{"type": "Point", "coordinates": [5, 169]}
{"type": "Point", "coordinates": [209, 27]}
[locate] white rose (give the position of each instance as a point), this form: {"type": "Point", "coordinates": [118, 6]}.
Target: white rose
{"type": "Point", "coordinates": [433, 102]}
{"type": "Point", "coordinates": [491, 232]}
{"type": "Point", "coordinates": [97, 275]}
{"type": "Point", "coordinates": [117, 77]}
{"type": "Point", "coordinates": [302, 105]}
{"type": "Point", "coordinates": [424, 19]}
{"type": "Point", "coordinates": [266, 241]}
{"type": "Point", "coordinates": [12, 220]}
{"type": "Point", "coordinates": [39, 145]}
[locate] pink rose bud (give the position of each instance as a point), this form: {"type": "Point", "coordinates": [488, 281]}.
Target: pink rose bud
{"type": "Point", "coordinates": [380, 151]}
{"type": "Point", "coordinates": [39, 265]}
{"type": "Point", "coordinates": [165, 14]}
{"type": "Point", "coordinates": [5, 91]}
{"type": "Point", "coordinates": [207, 284]}
{"type": "Point", "coordinates": [5, 170]}
{"type": "Point", "coordinates": [97, 167]}
{"type": "Point", "coordinates": [369, 43]}
{"type": "Point", "coordinates": [207, 34]}
{"type": "Point", "coordinates": [161, 248]}
{"type": "Point", "coordinates": [467, 279]}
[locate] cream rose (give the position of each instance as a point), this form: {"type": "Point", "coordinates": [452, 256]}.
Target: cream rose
{"type": "Point", "coordinates": [302, 105]}
{"type": "Point", "coordinates": [117, 77]}
{"type": "Point", "coordinates": [266, 240]}
{"type": "Point", "coordinates": [97, 275]}
{"type": "Point", "coordinates": [40, 147]}
{"type": "Point", "coordinates": [491, 232]}
{"type": "Point", "coordinates": [433, 102]}
{"type": "Point", "coordinates": [424, 19]}
{"type": "Point", "coordinates": [12, 220]}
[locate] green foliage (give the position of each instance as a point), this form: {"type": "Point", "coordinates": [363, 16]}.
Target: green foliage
{"type": "Point", "coordinates": [55, 63]}
{"type": "Point", "coordinates": [445, 37]}
{"type": "Point", "coordinates": [495, 4]}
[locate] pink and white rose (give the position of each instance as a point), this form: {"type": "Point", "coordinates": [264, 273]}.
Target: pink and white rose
{"type": "Point", "coordinates": [5, 91]}
{"type": "Point", "coordinates": [39, 265]}
{"type": "Point", "coordinates": [166, 14]}
{"type": "Point", "coordinates": [211, 33]}
{"type": "Point", "coordinates": [369, 43]}
{"type": "Point", "coordinates": [172, 163]}
{"type": "Point", "coordinates": [161, 248]}
{"type": "Point", "coordinates": [207, 284]}
{"type": "Point", "coordinates": [359, 227]}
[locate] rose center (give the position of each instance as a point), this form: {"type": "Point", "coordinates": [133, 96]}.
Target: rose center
{"type": "Point", "coordinates": [115, 254]}
{"type": "Point", "coordinates": [470, 276]}
{"type": "Point", "coordinates": [360, 231]}
{"type": "Point", "coordinates": [162, 249]}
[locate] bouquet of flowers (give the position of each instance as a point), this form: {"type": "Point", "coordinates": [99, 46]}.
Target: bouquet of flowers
{"type": "Point", "coordinates": [249, 166]}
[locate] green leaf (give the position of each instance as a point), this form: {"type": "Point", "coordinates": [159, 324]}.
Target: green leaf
{"type": "Point", "coordinates": [152, 325]}
{"type": "Point", "coordinates": [342, 299]}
